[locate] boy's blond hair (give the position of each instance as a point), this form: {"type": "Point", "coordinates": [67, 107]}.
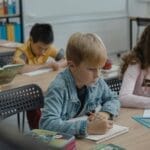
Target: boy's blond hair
{"type": "Point", "coordinates": [86, 47]}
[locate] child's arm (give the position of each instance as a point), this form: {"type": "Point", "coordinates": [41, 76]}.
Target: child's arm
{"type": "Point", "coordinates": [28, 68]}
{"type": "Point", "coordinates": [127, 98]}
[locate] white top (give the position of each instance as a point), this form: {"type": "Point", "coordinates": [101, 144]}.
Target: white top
{"type": "Point", "coordinates": [135, 90]}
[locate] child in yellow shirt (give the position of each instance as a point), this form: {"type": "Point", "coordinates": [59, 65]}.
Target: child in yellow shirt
{"type": "Point", "coordinates": [38, 51]}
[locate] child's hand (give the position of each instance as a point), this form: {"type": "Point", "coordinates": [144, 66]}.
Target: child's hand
{"type": "Point", "coordinates": [99, 126]}
{"type": "Point", "coordinates": [91, 116]}
{"type": "Point", "coordinates": [54, 66]}
{"type": "Point", "coordinates": [62, 63]}
{"type": "Point", "coordinates": [103, 115]}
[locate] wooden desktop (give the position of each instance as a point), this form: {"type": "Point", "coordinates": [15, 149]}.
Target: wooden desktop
{"type": "Point", "coordinates": [138, 137]}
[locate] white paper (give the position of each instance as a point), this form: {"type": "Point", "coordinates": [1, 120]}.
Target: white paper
{"type": "Point", "coordinates": [10, 44]}
{"type": "Point", "coordinates": [115, 131]}
{"type": "Point", "coordinates": [38, 72]}
{"type": "Point", "coordinates": [146, 113]}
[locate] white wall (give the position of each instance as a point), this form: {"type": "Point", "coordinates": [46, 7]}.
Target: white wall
{"type": "Point", "coordinates": [107, 18]}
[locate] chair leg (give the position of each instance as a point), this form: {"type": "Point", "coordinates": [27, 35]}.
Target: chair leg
{"type": "Point", "coordinates": [18, 120]}
{"type": "Point", "coordinates": [23, 121]}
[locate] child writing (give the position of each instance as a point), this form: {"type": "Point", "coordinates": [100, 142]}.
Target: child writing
{"type": "Point", "coordinates": [78, 91]}
{"type": "Point", "coordinates": [38, 50]}
{"type": "Point", "coordinates": [35, 54]}
{"type": "Point", "coordinates": [135, 90]}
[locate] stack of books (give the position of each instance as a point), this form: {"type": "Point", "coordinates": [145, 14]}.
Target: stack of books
{"type": "Point", "coordinates": [55, 140]}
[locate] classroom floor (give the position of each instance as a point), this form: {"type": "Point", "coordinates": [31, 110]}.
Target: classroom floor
{"type": "Point", "coordinates": [12, 122]}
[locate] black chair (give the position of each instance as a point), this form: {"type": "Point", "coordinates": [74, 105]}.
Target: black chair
{"type": "Point", "coordinates": [114, 84]}
{"type": "Point", "coordinates": [141, 22]}
{"type": "Point", "coordinates": [21, 99]}
{"type": "Point", "coordinates": [6, 58]}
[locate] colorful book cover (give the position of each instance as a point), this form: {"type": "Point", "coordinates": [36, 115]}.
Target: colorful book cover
{"type": "Point", "coordinates": [3, 32]}
{"type": "Point", "coordinates": [17, 32]}
{"type": "Point", "coordinates": [53, 139]}
{"type": "Point", "coordinates": [1, 7]}
{"type": "Point", "coordinates": [10, 32]}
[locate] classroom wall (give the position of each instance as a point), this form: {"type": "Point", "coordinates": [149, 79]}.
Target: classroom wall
{"type": "Point", "coordinates": [109, 19]}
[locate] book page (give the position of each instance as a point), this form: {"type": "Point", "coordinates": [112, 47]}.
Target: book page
{"type": "Point", "coordinates": [146, 113]}
{"type": "Point", "coordinates": [12, 66]}
{"type": "Point", "coordinates": [8, 72]}
{"type": "Point", "coordinates": [115, 131]}
{"type": "Point", "coordinates": [38, 72]}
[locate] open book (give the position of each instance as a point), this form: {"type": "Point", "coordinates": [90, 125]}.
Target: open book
{"type": "Point", "coordinates": [8, 72]}
{"type": "Point", "coordinates": [115, 131]}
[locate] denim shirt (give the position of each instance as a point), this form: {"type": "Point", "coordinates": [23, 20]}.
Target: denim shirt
{"type": "Point", "coordinates": [62, 103]}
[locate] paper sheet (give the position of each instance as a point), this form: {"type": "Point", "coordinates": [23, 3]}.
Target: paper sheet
{"type": "Point", "coordinates": [38, 72]}
{"type": "Point", "coordinates": [146, 113]}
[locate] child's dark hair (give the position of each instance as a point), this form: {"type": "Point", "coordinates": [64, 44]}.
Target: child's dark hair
{"type": "Point", "coordinates": [42, 32]}
{"type": "Point", "coordinates": [140, 53]}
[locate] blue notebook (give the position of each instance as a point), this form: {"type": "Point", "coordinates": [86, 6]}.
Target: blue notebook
{"type": "Point", "coordinates": [144, 121]}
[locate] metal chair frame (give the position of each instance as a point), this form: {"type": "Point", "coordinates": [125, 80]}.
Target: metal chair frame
{"type": "Point", "coordinates": [21, 99]}
{"type": "Point", "coordinates": [6, 58]}
{"type": "Point", "coordinates": [114, 84]}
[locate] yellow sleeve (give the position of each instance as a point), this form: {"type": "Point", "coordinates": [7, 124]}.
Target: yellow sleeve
{"type": "Point", "coordinates": [52, 51]}
{"type": "Point", "coordinates": [19, 57]}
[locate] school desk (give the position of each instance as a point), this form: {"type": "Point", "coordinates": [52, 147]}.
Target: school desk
{"type": "Point", "coordinates": [137, 138]}
{"type": "Point", "coordinates": [6, 48]}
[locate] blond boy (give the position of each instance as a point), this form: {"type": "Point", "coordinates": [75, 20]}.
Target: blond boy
{"type": "Point", "coordinates": [79, 90]}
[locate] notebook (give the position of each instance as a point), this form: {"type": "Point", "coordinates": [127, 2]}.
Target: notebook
{"type": "Point", "coordinates": [115, 131]}
{"type": "Point", "coordinates": [8, 72]}
{"type": "Point", "coordinates": [108, 147]}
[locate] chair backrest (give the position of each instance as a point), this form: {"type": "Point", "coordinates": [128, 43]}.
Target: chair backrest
{"type": "Point", "coordinates": [6, 58]}
{"type": "Point", "coordinates": [141, 22]}
{"type": "Point", "coordinates": [14, 101]}
{"type": "Point", "coordinates": [114, 84]}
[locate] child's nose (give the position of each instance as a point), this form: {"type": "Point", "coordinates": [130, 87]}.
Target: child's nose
{"type": "Point", "coordinates": [96, 73]}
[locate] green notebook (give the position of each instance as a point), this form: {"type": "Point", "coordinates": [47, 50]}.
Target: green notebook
{"type": "Point", "coordinates": [108, 147]}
